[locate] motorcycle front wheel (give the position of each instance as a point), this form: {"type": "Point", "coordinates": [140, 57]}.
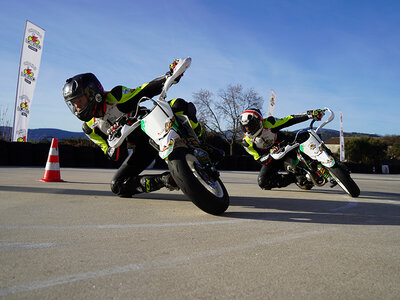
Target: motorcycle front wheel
{"type": "Point", "coordinates": [206, 193]}
{"type": "Point", "coordinates": [343, 178]}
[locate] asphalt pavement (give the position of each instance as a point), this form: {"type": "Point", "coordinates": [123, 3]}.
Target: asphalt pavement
{"type": "Point", "coordinates": [76, 240]}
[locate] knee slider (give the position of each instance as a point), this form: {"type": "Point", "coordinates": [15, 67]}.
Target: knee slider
{"type": "Point", "coordinates": [126, 186]}
{"type": "Point", "coordinates": [115, 186]}
{"type": "Point", "coordinates": [265, 183]}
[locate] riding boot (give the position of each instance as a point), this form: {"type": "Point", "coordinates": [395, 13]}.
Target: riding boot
{"type": "Point", "coordinates": [151, 183]}
{"type": "Point", "coordinates": [169, 182]}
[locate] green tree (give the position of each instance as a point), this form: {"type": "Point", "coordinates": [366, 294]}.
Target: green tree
{"type": "Point", "coordinates": [394, 151]}
{"type": "Point", "coordinates": [393, 141]}
{"type": "Point", "coordinates": [366, 150]}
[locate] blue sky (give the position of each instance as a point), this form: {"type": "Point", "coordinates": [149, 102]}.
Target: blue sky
{"type": "Point", "coordinates": [341, 54]}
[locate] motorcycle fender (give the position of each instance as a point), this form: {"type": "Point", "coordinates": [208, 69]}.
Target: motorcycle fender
{"type": "Point", "coordinates": [315, 149]}
{"type": "Point", "coordinates": [158, 122]}
{"type": "Point", "coordinates": [312, 147]}
{"type": "Point", "coordinates": [325, 159]}
{"type": "Point", "coordinates": [167, 143]}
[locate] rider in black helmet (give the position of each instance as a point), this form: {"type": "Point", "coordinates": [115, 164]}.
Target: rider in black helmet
{"type": "Point", "coordinates": [99, 110]}
{"type": "Point", "coordinates": [84, 94]}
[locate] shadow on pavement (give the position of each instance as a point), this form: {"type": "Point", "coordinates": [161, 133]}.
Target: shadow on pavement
{"type": "Point", "coordinates": [64, 191]}
{"type": "Point", "coordinates": [352, 212]}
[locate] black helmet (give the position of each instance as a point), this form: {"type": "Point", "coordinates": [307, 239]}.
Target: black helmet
{"type": "Point", "coordinates": [84, 84]}
{"type": "Point", "coordinates": [251, 122]}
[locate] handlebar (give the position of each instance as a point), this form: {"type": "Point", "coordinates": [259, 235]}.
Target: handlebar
{"type": "Point", "coordinates": [331, 117]}
{"type": "Point", "coordinates": [119, 129]}
{"type": "Point", "coordinates": [182, 66]}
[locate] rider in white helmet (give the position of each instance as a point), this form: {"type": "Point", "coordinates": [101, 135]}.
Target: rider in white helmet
{"type": "Point", "coordinates": [263, 136]}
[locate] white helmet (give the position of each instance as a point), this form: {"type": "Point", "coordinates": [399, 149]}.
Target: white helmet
{"type": "Point", "coordinates": [251, 122]}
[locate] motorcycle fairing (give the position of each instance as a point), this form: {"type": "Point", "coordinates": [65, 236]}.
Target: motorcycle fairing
{"type": "Point", "coordinates": [167, 143]}
{"type": "Point", "coordinates": [315, 149]}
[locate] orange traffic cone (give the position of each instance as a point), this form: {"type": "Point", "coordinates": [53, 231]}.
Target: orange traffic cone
{"type": "Point", "coordinates": [52, 170]}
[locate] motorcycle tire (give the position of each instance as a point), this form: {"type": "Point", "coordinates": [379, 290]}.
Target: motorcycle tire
{"type": "Point", "coordinates": [343, 178]}
{"type": "Point", "coordinates": [207, 194]}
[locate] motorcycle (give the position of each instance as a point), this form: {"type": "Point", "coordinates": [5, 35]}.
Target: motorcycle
{"type": "Point", "coordinates": [173, 137]}
{"type": "Point", "coordinates": [312, 162]}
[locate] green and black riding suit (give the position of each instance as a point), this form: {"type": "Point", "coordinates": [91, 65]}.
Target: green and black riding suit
{"type": "Point", "coordinates": [123, 101]}
{"type": "Point", "coordinates": [260, 148]}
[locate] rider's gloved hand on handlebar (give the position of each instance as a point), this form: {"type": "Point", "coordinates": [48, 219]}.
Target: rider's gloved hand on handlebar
{"type": "Point", "coordinates": [171, 70]}
{"type": "Point", "coordinates": [112, 129]}
{"type": "Point", "coordinates": [117, 154]}
{"type": "Point", "coordinates": [113, 154]}
{"type": "Point", "coordinates": [315, 114]}
{"type": "Point", "coordinates": [264, 159]}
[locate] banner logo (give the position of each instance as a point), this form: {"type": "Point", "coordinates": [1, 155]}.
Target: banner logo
{"type": "Point", "coordinates": [33, 39]}
{"type": "Point", "coordinates": [24, 104]}
{"type": "Point", "coordinates": [33, 43]}
{"type": "Point", "coordinates": [27, 73]}
{"type": "Point", "coordinates": [21, 135]}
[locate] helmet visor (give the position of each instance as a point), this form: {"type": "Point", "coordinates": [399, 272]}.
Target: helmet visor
{"type": "Point", "coordinates": [71, 107]}
{"type": "Point", "coordinates": [78, 104]}
{"type": "Point", "coordinates": [251, 127]}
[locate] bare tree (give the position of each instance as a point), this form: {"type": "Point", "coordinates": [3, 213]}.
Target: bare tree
{"type": "Point", "coordinates": [221, 115]}
{"type": "Point", "coordinates": [5, 123]}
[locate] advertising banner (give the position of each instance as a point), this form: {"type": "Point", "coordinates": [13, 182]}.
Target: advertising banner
{"type": "Point", "coordinates": [341, 139]}
{"type": "Point", "coordinates": [271, 106]}
{"type": "Point", "coordinates": [31, 54]}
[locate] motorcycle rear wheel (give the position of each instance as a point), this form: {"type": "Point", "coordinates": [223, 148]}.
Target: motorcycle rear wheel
{"type": "Point", "coordinates": [207, 194]}
{"type": "Point", "coordinates": [343, 178]}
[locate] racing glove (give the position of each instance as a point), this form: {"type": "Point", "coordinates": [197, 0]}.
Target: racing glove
{"type": "Point", "coordinates": [113, 154]}
{"type": "Point", "coordinates": [117, 154]}
{"type": "Point", "coordinates": [265, 159]}
{"type": "Point", "coordinates": [171, 70]}
{"type": "Point", "coordinates": [315, 114]}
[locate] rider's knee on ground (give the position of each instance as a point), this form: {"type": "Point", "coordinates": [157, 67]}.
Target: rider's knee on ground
{"type": "Point", "coordinates": [125, 187]}
{"type": "Point", "coordinates": [265, 183]}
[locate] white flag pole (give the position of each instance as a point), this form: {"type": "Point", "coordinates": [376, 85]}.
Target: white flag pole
{"type": "Point", "coordinates": [31, 54]}
{"type": "Point", "coordinates": [271, 106]}
{"type": "Point", "coordinates": [342, 157]}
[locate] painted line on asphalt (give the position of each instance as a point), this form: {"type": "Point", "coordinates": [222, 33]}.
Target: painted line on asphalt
{"type": "Point", "coordinates": [122, 226]}
{"type": "Point", "coordinates": [352, 203]}
{"type": "Point", "coordinates": [6, 247]}
{"type": "Point", "coordinates": [155, 264]}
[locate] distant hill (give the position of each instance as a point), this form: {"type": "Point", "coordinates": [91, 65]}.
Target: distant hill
{"type": "Point", "coordinates": [45, 134]}
{"type": "Point", "coordinates": [40, 134]}
{"type": "Point", "coordinates": [326, 134]}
